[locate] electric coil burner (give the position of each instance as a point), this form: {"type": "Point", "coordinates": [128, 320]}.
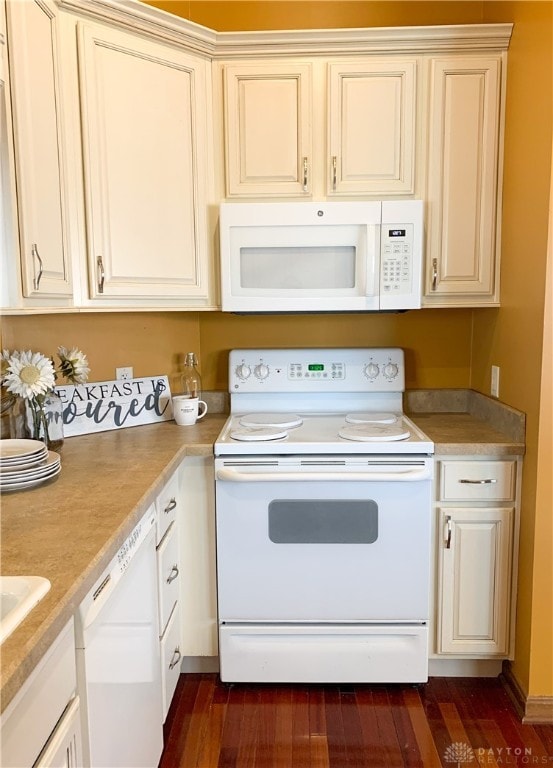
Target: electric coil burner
{"type": "Point", "coordinates": [323, 495]}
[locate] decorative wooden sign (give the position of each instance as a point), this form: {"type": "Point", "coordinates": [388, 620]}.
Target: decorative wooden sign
{"type": "Point", "coordinates": [105, 405]}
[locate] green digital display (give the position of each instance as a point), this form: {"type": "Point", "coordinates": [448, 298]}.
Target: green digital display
{"type": "Point", "coordinates": [315, 367]}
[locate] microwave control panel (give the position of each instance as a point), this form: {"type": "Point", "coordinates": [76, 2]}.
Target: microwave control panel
{"type": "Point", "coordinates": [396, 259]}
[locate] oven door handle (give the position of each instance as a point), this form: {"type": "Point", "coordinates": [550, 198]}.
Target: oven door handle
{"type": "Point", "coordinates": [399, 476]}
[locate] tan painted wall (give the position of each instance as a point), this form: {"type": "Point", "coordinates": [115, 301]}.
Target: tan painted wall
{"type": "Point", "coordinates": [512, 337]}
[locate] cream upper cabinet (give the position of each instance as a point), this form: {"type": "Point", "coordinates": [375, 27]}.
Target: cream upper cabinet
{"type": "Point", "coordinates": [463, 194]}
{"type": "Point", "coordinates": [295, 128]}
{"type": "Point", "coordinates": [371, 127]}
{"type": "Point", "coordinates": [268, 128]}
{"type": "Point", "coordinates": [144, 143]}
{"type": "Point", "coordinates": [38, 146]}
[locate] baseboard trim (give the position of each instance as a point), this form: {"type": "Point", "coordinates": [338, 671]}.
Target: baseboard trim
{"type": "Point", "coordinates": [532, 710]}
{"type": "Point", "coordinates": [200, 664]}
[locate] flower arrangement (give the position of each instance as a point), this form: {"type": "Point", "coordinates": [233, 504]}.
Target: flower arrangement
{"type": "Point", "coordinates": [31, 376]}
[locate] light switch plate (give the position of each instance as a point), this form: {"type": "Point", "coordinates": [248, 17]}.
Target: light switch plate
{"type": "Point", "coordinates": [494, 388]}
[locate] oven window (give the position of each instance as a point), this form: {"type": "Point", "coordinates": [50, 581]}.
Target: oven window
{"type": "Point", "coordinates": [339, 521]}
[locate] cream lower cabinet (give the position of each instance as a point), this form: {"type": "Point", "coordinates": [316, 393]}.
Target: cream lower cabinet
{"type": "Point", "coordinates": [169, 512]}
{"type": "Point", "coordinates": [463, 198]}
{"type": "Point", "coordinates": [144, 142]}
{"type": "Point", "coordinates": [197, 550]}
{"type": "Point", "coordinates": [32, 32]}
{"type": "Point", "coordinates": [276, 114]}
{"type": "Point", "coordinates": [41, 725]}
{"type": "Point", "coordinates": [476, 542]}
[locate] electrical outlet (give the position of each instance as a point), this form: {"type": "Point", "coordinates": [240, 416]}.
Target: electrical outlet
{"type": "Point", "coordinates": [494, 388]}
{"type": "Point", "coordinates": [122, 374]}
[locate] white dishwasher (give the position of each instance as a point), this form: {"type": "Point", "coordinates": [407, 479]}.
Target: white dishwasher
{"type": "Point", "coordinates": [118, 662]}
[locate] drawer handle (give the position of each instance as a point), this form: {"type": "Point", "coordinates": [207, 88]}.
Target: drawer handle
{"type": "Point", "coordinates": [448, 529]}
{"type": "Point", "coordinates": [176, 658]}
{"type": "Point", "coordinates": [334, 172]}
{"type": "Point", "coordinates": [173, 575]}
{"type": "Point", "coordinates": [488, 481]}
{"type": "Point", "coordinates": [171, 506]}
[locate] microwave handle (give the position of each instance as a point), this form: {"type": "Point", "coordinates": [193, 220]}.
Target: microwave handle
{"type": "Point", "coordinates": [372, 263]}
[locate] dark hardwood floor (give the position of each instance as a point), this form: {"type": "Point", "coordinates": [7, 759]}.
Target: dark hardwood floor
{"type": "Point", "coordinates": [449, 722]}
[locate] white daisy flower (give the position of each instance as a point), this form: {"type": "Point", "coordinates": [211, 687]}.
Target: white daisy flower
{"type": "Point", "coordinates": [29, 374]}
{"type": "Point", "coordinates": [73, 365]}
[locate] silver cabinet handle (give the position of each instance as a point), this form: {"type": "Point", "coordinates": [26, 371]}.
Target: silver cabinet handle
{"type": "Point", "coordinates": [448, 529]}
{"type": "Point", "coordinates": [173, 575]}
{"type": "Point", "coordinates": [101, 274]}
{"type": "Point", "coordinates": [176, 658]}
{"type": "Point", "coordinates": [171, 506]}
{"type": "Point", "coordinates": [305, 174]}
{"type": "Point", "coordinates": [334, 172]}
{"type": "Point", "coordinates": [36, 255]}
{"type": "Point", "coordinates": [434, 273]}
{"type": "Point", "coordinates": [488, 481]}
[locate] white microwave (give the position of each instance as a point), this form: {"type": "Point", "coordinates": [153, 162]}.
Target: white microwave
{"type": "Point", "coordinates": [321, 257]}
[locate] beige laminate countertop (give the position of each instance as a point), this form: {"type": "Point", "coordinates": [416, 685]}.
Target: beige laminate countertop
{"type": "Point", "coordinates": [68, 530]}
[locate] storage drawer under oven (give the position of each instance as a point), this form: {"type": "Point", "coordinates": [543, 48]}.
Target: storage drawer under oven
{"type": "Point", "coordinates": [324, 653]}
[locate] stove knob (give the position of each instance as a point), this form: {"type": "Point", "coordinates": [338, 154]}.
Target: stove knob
{"type": "Point", "coordinates": [243, 371]}
{"type": "Point", "coordinates": [391, 371]}
{"type": "Point", "coordinates": [371, 371]}
{"type": "Point", "coordinates": [261, 371]}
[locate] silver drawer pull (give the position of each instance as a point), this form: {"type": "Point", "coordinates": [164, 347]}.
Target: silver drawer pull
{"type": "Point", "coordinates": [488, 481]}
{"type": "Point", "coordinates": [171, 506]}
{"type": "Point", "coordinates": [434, 273]}
{"type": "Point", "coordinates": [334, 172]}
{"type": "Point", "coordinates": [448, 529]}
{"type": "Point", "coordinates": [176, 658]}
{"type": "Point", "coordinates": [173, 575]}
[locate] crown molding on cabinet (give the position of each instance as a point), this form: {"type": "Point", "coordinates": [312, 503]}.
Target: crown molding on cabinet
{"type": "Point", "coordinates": [173, 29]}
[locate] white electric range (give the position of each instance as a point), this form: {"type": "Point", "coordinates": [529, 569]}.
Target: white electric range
{"type": "Point", "coordinates": [323, 498]}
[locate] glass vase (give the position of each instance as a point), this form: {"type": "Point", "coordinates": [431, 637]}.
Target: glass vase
{"type": "Point", "coordinates": [45, 420]}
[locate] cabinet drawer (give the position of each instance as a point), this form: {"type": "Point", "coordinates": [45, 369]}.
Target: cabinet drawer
{"type": "Point", "coordinates": [477, 480]}
{"type": "Point", "coordinates": [170, 659]}
{"type": "Point", "coordinates": [167, 576]}
{"type": "Point", "coordinates": [167, 504]}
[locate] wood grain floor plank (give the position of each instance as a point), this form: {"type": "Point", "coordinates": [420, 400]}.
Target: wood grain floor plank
{"type": "Point", "coordinates": [318, 738]}
{"type": "Point", "coordinates": [421, 727]}
{"type": "Point", "coordinates": [215, 725]}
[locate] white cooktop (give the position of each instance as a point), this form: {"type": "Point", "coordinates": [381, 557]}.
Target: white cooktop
{"type": "Point", "coordinates": [318, 401]}
{"type": "Point", "coordinates": [320, 433]}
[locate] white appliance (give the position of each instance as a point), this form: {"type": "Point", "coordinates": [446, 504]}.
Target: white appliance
{"type": "Point", "coordinates": [118, 662]}
{"type": "Point", "coordinates": [323, 502]}
{"type": "Point", "coordinates": [321, 257]}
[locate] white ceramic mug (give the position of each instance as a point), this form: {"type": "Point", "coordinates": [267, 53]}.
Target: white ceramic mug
{"type": "Point", "coordinates": [188, 410]}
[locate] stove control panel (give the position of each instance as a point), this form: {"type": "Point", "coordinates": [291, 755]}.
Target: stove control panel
{"type": "Point", "coordinates": [317, 370]}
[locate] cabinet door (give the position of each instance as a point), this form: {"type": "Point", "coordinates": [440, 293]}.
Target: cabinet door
{"type": "Point", "coordinates": [462, 199]}
{"type": "Point", "coordinates": [144, 134]}
{"type": "Point", "coordinates": [371, 123]}
{"type": "Point", "coordinates": [268, 134]}
{"type": "Point", "coordinates": [32, 41]}
{"type": "Point", "coordinates": [475, 584]}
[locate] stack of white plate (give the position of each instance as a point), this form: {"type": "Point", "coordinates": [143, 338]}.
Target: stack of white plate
{"type": "Point", "coordinates": [26, 463]}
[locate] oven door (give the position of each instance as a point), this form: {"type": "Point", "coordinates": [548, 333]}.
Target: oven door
{"type": "Point", "coordinates": [323, 539]}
